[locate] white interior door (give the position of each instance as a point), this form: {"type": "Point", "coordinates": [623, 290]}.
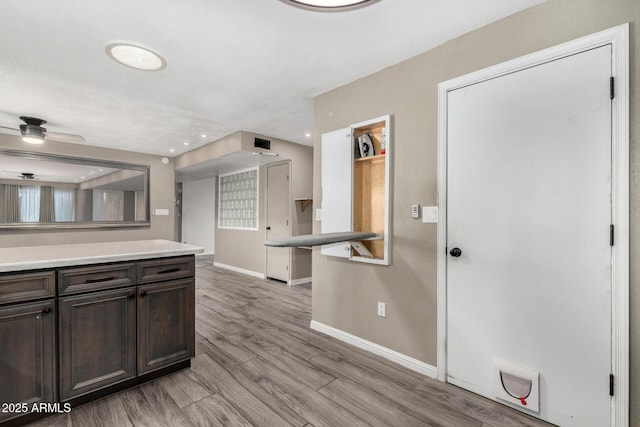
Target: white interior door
{"type": "Point", "coordinates": [278, 211]}
{"type": "Point", "coordinates": [529, 207]}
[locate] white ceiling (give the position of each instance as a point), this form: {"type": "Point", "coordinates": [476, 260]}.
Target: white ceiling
{"type": "Point", "coordinates": [252, 65]}
{"type": "Point", "coordinates": [11, 167]}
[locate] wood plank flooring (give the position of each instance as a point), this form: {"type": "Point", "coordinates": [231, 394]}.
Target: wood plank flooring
{"type": "Point", "coordinates": [258, 364]}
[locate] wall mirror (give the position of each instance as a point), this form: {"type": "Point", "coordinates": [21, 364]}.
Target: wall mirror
{"type": "Point", "coordinates": [40, 190]}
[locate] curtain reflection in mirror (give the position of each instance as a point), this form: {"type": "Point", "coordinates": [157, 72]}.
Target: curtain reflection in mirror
{"type": "Point", "coordinates": [108, 205]}
{"type": "Point", "coordinates": [29, 203]}
{"type": "Point", "coordinates": [32, 204]}
{"type": "Point", "coordinates": [64, 204]}
{"type": "Point", "coordinates": [46, 204]}
{"type": "Point", "coordinates": [12, 203]}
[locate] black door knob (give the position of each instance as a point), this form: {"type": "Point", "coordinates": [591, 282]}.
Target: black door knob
{"type": "Point", "coordinates": [268, 228]}
{"type": "Point", "coordinates": [455, 252]}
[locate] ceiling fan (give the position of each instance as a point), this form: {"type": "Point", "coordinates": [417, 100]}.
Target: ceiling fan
{"type": "Point", "coordinates": [33, 132]}
{"type": "Point", "coordinates": [27, 176]}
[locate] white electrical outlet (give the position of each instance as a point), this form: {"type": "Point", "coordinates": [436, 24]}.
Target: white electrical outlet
{"type": "Point", "coordinates": [382, 311]}
{"type": "Point", "coordinates": [318, 214]}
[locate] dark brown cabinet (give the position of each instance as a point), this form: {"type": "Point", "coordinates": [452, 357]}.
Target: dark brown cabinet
{"type": "Point", "coordinates": [97, 340]}
{"type": "Point", "coordinates": [77, 333]}
{"type": "Point", "coordinates": [166, 316]}
{"type": "Point", "coordinates": [27, 358]}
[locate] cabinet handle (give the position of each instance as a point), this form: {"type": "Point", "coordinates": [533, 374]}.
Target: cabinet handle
{"type": "Point", "coordinates": [143, 294]}
{"type": "Point", "coordinates": [131, 295]}
{"type": "Point", "coordinates": [104, 279]}
{"type": "Point", "coordinates": [169, 270]}
{"type": "Point", "coordinates": [46, 310]}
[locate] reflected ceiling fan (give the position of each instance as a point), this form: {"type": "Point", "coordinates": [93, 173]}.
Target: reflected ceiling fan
{"type": "Point", "coordinates": [27, 176]}
{"type": "Point", "coordinates": [33, 132]}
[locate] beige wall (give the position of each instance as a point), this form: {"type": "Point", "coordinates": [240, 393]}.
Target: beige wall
{"type": "Point", "coordinates": [345, 293]}
{"type": "Point", "coordinates": [162, 194]}
{"type": "Point", "coordinates": [244, 248]}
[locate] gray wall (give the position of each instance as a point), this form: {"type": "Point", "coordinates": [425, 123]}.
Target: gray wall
{"type": "Point", "coordinates": [345, 293]}
{"type": "Point", "coordinates": [199, 213]}
{"type": "Point", "coordinates": [162, 189]}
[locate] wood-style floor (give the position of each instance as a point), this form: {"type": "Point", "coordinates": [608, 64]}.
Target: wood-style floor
{"type": "Point", "coordinates": [258, 364]}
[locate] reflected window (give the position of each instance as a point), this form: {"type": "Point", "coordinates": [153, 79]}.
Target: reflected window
{"type": "Point", "coordinates": [64, 202]}
{"type": "Point", "coordinates": [108, 205]}
{"type": "Point", "coordinates": [29, 203]}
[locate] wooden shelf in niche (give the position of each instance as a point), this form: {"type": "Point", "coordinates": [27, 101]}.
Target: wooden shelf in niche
{"type": "Point", "coordinates": [370, 190]}
{"type": "Point", "coordinates": [371, 158]}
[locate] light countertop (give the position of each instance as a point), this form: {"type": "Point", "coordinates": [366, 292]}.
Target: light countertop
{"type": "Point", "coordinates": [52, 256]}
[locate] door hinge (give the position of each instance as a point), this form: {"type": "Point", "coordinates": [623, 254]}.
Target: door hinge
{"type": "Point", "coordinates": [612, 88]}
{"type": "Point", "coordinates": [611, 384]}
{"type": "Point", "coordinates": [612, 234]}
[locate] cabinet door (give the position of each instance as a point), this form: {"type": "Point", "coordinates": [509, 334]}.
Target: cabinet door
{"type": "Point", "coordinates": [337, 190]}
{"type": "Point", "coordinates": [97, 341]}
{"type": "Point", "coordinates": [166, 324]}
{"type": "Point", "coordinates": [27, 340]}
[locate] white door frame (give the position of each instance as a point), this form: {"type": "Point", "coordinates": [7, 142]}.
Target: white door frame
{"type": "Point", "coordinates": [618, 38]}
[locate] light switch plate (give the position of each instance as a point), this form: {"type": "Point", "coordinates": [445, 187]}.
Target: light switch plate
{"type": "Point", "coordinates": [318, 214]}
{"type": "Point", "coordinates": [430, 214]}
{"type": "Point", "coordinates": [415, 211]}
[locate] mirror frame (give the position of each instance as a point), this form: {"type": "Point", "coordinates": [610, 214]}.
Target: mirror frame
{"type": "Point", "coordinates": [83, 161]}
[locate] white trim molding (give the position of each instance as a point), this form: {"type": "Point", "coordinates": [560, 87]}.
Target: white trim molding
{"type": "Point", "coordinates": [618, 38]}
{"type": "Point", "coordinates": [302, 281]}
{"type": "Point", "coordinates": [392, 355]}
{"type": "Point", "coordinates": [239, 270]}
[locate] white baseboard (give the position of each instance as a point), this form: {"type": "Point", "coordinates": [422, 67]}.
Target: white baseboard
{"type": "Point", "coordinates": [239, 270]}
{"type": "Point", "coordinates": [205, 254]}
{"type": "Point", "coordinates": [302, 281]}
{"type": "Point", "coordinates": [399, 358]}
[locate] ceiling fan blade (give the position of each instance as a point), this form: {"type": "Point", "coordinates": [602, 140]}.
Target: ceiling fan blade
{"type": "Point", "coordinates": [64, 137]}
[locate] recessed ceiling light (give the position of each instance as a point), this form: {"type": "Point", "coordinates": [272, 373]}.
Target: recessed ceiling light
{"type": "Point", "coordinates": [134, 56]}
{"type": "Point", "coordinates": [185, 143]}
{"type": "Point", "coordinates": [308, 134]}
{"type": "Point", "coordinates": [204, 135]}
{"type": "Point", "coordinates": [171, 150]}
{"type": "Point", "coordinates": [329, 4]}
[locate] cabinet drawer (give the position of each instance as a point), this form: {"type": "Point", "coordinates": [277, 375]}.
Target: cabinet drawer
{"type": "Point", "coordinates": [27, 286]}
{"type": "Point", "coordinates": [162, 269]}
{"type": "Point", "coordinates": [86, 279]}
